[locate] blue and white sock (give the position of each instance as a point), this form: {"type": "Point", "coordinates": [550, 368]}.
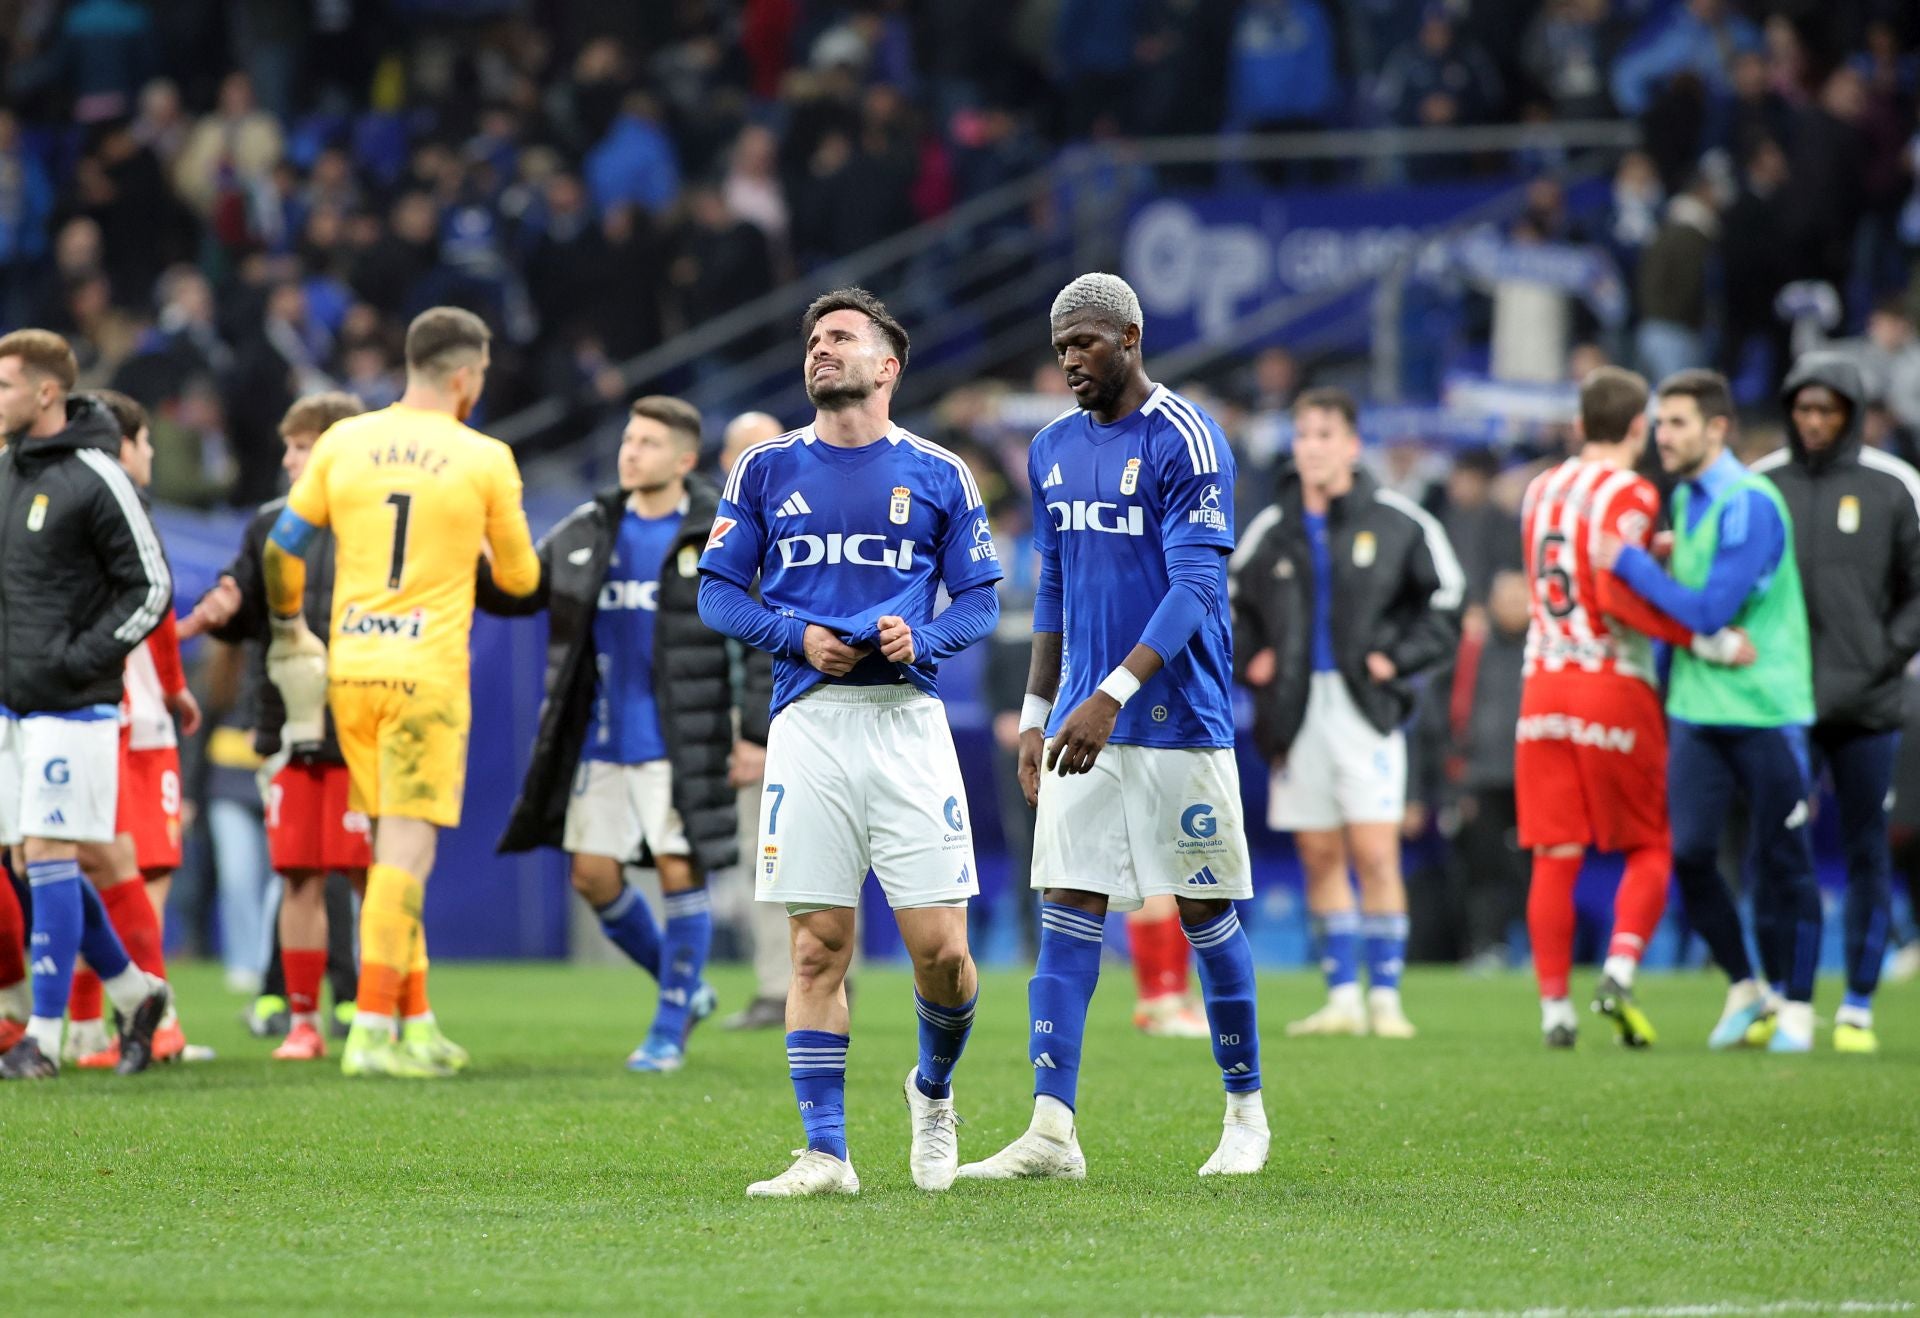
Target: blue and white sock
{"type": "Point", "coordinates": [1386, 937]}
{"type": "Point", "coordinates": [683, 959]}
{"type": "Point", "coordinates": [1063, 981]}
{"type": "Point", "coordinates": [817, 1061]}
{"type": "Point", "coordinates": [627, 921]}
{"type": "Point", "coordinates": [59, 916]}
{"type": "Point", "coordinates": [1226, 982]}
{"type": "Point", "coordinates": [1339, 933]}
{"type": "Point", "coordinates": [943, 1037]}
{"type": "Point", "coordinates": [99, 943]}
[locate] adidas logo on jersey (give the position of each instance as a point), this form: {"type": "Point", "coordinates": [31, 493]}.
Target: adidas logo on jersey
{"type": "Point", "coordinates": [57, 817]}
{"type": "Point", "coordinates": [811, 550]}
{"type": "Point", "coordinates": [1204, 879]}
{"type": "Point", "coordinates": [795, 505]}
{"type": "Point", "coordinates": [1053, 478]}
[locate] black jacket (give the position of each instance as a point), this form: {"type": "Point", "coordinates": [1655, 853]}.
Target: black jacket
{"type": "Point", "coordinates": [82, 576]}
{"type": "Point", "coordinates": [692, 677]}
{"type": "Point", "coordinates": [265, 711]}
{"type": "Point", "coordinates": [1856, 533]}
{"type": "Point", "coordinates": [1397, 589]}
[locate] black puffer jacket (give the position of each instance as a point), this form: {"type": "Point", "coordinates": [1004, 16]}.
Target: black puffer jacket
{"type": "Point", "coordinates": [692, 677]}
{"type": "Point", "coordinates": [265, 712]}
{"type": "Point", "coordinates": [82, 576]}
{"type": "Point", "coordinates": [1397, 589]}
{"type": "Point", "coordinates": [1856, 534]}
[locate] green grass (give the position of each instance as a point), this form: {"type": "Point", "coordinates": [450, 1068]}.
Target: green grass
{"type": "Point", "coordinates": [1468, 1169]}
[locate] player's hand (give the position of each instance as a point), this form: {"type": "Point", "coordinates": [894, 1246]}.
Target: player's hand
{"type": "Point", "coordinates": [1033, 742]}
{"type": "Point", "coordinates": [297, 665]}
{"type": "Point", "coordinates": [749, 764]}
{"type": "Point", "coordinates": [1380, 668]}
{"type": "Point", "coordinates": [896, 640]}
{"type": "Point", "coordinates": [184, 707]}
{"type": "Point", "coordinates": [1729, 647]}
{"type": "Point", "coordinates": [1413, 824]}
{"type": "Point", "coordinates": [1606, 551]}
{"type": "Point", "coordinates": [829, 653]}
{"type": "Point", "coordinates": [1081, 738]}
{"type": "Point", "coordinates": [214, 609]}
{"type": "Point", "coordinates": [1662, 546]}
{"type": "Point", "coordinates": [1262, 668]}
{"type": "Point", "coordinates": [1006, 729]}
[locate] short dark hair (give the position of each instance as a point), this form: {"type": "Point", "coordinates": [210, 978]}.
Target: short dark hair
{"type": "Point", "coordinates": [1610, 398]}
{"type": "Point", "coordinates": [127, 414]}
{"type": "Point", "coordinates": [317, 413]}
{"type": "Point", "coordinates": [439, 334]}
{"type": "Point", "coordinates": [1331, 399]}
{"type": "Point", "coordinates": [43, 352]}
{"type": "Point", "coordinates": [858, 299]}
{"type": "Point", "coordinates": [1709, 391]}
{"type": "Point", "coordinates": [676, 414]}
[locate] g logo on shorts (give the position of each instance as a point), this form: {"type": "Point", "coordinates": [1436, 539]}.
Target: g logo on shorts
{"type": "Point", "coordinates": [952, 811]}
{"type": "Point", "coordinates": [58, 772]}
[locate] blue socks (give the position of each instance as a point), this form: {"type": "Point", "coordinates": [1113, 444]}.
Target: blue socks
{"type": "Point", "coordinates": [1226, 982]}
{"type": "Point", "coordinates": [943, 1037]}
{"type": "Point", "coordinates": [627, 921]}
{"type": "Point", "coordinates": [1339, 947]}
{"type": "Point", "coordinates": [817, 1061]}
{"type": "Point", "coordinates": [682, 958]}
{"type": "Point", "coordinates": [1057, 997]}
{"type": "Point", "coordinates": [99, 943]}
{"type": "Point", "coordinates": [1386, 937]}
{"type": "Point", "coordinates": [59, 916]}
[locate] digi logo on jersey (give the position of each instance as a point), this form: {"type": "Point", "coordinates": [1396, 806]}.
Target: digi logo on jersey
{"type": "Point", "coordinates": [406, 626]}
{"type": "Point", "coordinates": [1091, 515]}
{"type": "Point", "coordinates": [1208, 514]}
{"type": "Point", "coordinates": [983, 546]}
{"type": "Point", "coordinates": [834, 548]}
{"type": "Point", "coordinates": [631, 595]}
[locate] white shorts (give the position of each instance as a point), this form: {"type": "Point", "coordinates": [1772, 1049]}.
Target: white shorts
{"type": "Point", "coordinates": [618, 807]}
{"type": "Point", "coordinates": [859, 778]}
{"type": "Point", "coordinates": [59, 775]}
{"type": "Point", "coordinates": [1341, 770]}
{"type": "Point", "coordinates": [1145, 821]}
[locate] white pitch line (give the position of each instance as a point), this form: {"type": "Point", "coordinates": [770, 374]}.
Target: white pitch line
{"type": "Point", "coordinates": [1719, 1310]}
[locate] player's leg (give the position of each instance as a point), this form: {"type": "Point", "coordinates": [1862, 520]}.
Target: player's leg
{"type": "Point", "coordinates": [625, 917]}
{"type": "Point", "coordinates": [1774, 770]}
{"type": "Point", "coordinates": [346, 854]}
{"type": "Point", "coordinates": [302, 926]}
{"type": "Point", "coordinates": [1627, 790]}
{"type": "Point", "coordinates": [946, 987]}
{"type": "Point", "coordinates": [1701, 783]}
{"type": "Point", "coordinates": [685, 998]}
{"type": "Point", "coordinates": [391, 938]}
{"type": "Point", "coordinates": [1335, 922]}
{"type": "Point", "coordinates": [343, 961]}
{"type": "Point", "coordinates": [1862, 764]}
{"type": "Point", "coordinates": [601, 829]}
{"type": "Point", "coordinates": [113, 870]}
{"type": "Point", "coordinates": [16, 1000]}
{"type": "Point", "coordinates": [1164, 1007]}
{"type": "Point", "coordinates": [1375, 849]}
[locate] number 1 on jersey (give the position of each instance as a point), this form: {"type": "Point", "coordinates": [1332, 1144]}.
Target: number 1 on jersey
{"type": "Point", "coordinates": [402, 509]}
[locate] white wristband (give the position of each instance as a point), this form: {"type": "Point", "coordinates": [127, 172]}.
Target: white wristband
{"type": "Point", "coordinates": [1120, 684]}
{"type": "Point", "coordinates": [1034, 712]}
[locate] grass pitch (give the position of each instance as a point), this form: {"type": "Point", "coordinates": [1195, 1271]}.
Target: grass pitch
{"type": "Point", "coordinates": [1466, 1170]}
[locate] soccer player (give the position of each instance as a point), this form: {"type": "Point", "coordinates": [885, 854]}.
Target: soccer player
{"type": "Point", "coordinates": [1734, 729]}
{"type": "Point", "coordinates": [851, 525]}
{"type": "Point", "coordinates": [1343, 590]}
{"type": "Point", "coordinates": [82, 581]}
{"type": "Point", "coordinates": [1856, 534]}
{"type": "Point", "coordinates": [133, 872]}
{"type": "Point", "coordinates": [313, 829]}
{"type": "Point", "coordinates": [637, 725]}
{"type": "Point", "coordinates": [414, 498]}
{"type": "Point", "coordinates": [1591, 747]}
{"type": "Point", "coordinates": [1126, 738]}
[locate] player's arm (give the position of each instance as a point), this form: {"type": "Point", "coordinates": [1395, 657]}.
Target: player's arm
{"type": "Point", "coordinates": [1435, 580]}
{"type": "Point", "coordinates": [1752, 538]}
{"type": "Point", "coordinates": [488, 597]}
{"type": "Point", "coordinates": [164, 646]}
{"type": "Point", "coordinates": [1903, 627]}
{"type": "Point", "coordinates": [969, 566]}
{"type": "Point", "coordinates": [296, 658]}
{"type": "Point", "coordinates": [1251, 563]}
{"type": "Point", "coordinates": [1630, 520]}
{"type": "Point", "coordinates": [515, 566]}
{"type": "Point", "coordinates": [140, 589]}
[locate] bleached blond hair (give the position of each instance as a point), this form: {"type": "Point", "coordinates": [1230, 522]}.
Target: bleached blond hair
{"type": "Point", "coordinates": [1109, 295]}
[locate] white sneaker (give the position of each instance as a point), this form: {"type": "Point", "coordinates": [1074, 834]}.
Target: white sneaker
{"type": "Point", "coordinates": [84, 1039]}
{"type": "Point", "coordinates": [1334, 1018]}
{"type": "Point", "coordinates": [1390, 1022]}
{"type": "Point", "coordinates": [935, 1155]}
{"type": "Point", "coordinates": [813, 1172]}
{"type": "Point", "coordinates": [1032, 1157]}
{"type": "Point", "coordinates": [1170, 1016]}
{"type": "Point", "coordinates": [1242, 1151]}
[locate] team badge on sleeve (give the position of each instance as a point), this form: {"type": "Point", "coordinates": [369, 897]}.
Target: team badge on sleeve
{"type": "Point", "coordinates": [718, 536]}
{"type": "Point", "coordinates": [901, 506]}
{"type": "Point", "coordinates": [1130, 478]}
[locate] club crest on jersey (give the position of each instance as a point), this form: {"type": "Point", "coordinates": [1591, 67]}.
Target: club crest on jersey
{"type": "Point", "coordinates": [688, 562]}
{"type": "Point", "coordinates": [37, 515]}
{"type": "Point", "coordinates": [718, 536]}
{"type": "Point", "coordinates": [901, 505]}
{"type": "Point", "coordinates": [1130, 478]}
{"type": "Point", "coordinates": [1849, 514]}
{"type": "Point", "coordinates": [1365, 550]}
{"type": "Point", "coordinates": [769, 864]}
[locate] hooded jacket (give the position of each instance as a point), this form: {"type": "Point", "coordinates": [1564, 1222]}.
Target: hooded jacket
{"type": "Point", "coordinates": [1397, 589]}
{"type": "Point", "coordinates": [82, 576]}
{"type": "Point", "coordinates": [1856, 536]}
{"type": "Point", "coordinates": [693, 680]}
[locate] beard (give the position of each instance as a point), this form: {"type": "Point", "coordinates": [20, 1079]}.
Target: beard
{"type": "Point", "coordinates": [1106, 393]}
{"type": "Point", "coordinates": [840, 393]}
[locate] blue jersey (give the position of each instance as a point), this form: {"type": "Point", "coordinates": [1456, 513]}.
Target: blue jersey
{"type": "Point", "coordinates": [626, 720]}
{"type": "Point", "coordinates": [844, 537]}
{"type": "Point", "coordinates": [1108, 501]}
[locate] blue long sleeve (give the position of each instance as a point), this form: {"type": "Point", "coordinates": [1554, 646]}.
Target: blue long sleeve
{"type": "Point", "coordinates": [1752, 538]}
{"type": "Point", "coordinates": [1193, 595]}
{"type": "Point", "coordinates": [1049, 612]}
{"type": "Point", "coordinates": [727, 608]}
{"type": "Point", "coordinates": [968, 617]}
